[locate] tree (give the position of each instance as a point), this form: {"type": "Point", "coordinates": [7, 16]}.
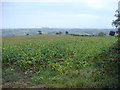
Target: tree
{"type": "Point", "coordinates": [58, 32]}
{"type": "Point", "coordinates": [66, 32]}
{"type": "Point", "coordinates": [27, 34]}
{"type": "Point", "coordinates": [116, 23]}
{"type": "Point", "coordinates": [112, 33]}
{"type": "Point", "coordinates": [101, 34]}
{"type": "Point", "coordinates": [39, 32]}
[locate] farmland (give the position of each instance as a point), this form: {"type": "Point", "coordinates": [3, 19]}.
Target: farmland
{"type": "Point", "coordinates": [59, 60]}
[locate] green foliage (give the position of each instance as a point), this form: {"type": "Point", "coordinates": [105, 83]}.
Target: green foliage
{"type": "Point", "coordinates": [8, 75]}
{"type": "Point", "coordinates": [58, 55]}
{"type": "Point", "coordinates": [57, 59]}
{"type": "Point", "coordinates": [116, 23]}
{"type": "Point", "coordinates": [112, 33]}
{"type": "Point", "coordinates": [101, 34]}
{"type": "Point", "coordinates": [66, 32]}
{"type": "Point", "coordinates": [39, 32]}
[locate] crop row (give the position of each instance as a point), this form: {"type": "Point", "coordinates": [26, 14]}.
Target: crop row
{"type": "Point", "coordinates": [59, 55]}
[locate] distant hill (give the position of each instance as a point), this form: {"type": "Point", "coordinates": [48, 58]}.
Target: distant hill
{"type": "Point", "coordinates": [34, 31]}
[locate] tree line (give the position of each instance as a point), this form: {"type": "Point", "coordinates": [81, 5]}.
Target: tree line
{"type": "Point", "coordinates": [111, 33]}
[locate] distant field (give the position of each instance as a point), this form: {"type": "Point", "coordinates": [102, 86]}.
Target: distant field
{"type": "Point", "coordinates": [39, 38]}
{"type": "Point", "coordinates": [51, 56]}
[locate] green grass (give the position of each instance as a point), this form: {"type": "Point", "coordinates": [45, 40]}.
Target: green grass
{"type": "Point", "coordinates": [10, 76]}
{"type": "Point", "coordinates": [60, 60]}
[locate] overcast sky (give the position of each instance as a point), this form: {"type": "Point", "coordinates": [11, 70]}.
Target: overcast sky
{"type": "Point", "coordinates": [58, 13]}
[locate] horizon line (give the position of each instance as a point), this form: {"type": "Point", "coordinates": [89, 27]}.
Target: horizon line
{"type": "Point", "coordinates": [57, 27]}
